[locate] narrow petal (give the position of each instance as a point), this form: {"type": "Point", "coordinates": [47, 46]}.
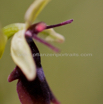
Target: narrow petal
{"type": "Point", "coordinates": [46, 43]}
{"type": "Point", "coordinates": [60, 24]}
{"type": "Point", "coordinates": [22, 56]}
{"type": "Point", "coordinates": [34, 10]}
{"type": "Point", "coordinates": [3, 40]}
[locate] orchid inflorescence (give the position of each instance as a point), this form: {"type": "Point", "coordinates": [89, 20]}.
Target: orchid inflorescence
{"type": "Point", "coordinates": [32, 86]}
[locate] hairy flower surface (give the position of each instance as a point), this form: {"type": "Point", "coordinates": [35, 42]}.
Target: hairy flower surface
{"type": "Point", "coordinates": [32, 86]}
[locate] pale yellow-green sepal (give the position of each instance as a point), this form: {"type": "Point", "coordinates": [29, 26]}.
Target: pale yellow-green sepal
{"type": "Point", "coordinates": [22, 56]}
{"type": "Point", "coordinates": [34, 10]}
{"type": "Point", "coordinates": [3, 40]}
{"type": "Point", "coordinates": [51, 35]}
{"type": "Point", "coordinates": [11, 29]}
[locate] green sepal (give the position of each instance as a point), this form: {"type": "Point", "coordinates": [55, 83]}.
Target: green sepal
{"type": "Point", "coordinates": [34, 10]}
{"type": "Point", "coordinates": [11, 29]}
{"type": "Point", "coordinates": [3, 41]}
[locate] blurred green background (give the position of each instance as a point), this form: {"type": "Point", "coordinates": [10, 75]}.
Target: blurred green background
{"type": "Point", "coordinates": [73, 79]}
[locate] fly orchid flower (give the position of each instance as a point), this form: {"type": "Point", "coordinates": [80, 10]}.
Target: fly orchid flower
{"type": "Point", "coordinates": [32, 86]}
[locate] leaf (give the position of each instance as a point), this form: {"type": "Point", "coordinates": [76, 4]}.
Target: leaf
{"type": "Point", "coordinates": [34, 10]}
{"type": "Point", "coordinates": [51, 35]}
{"type": "Point", "coordinates": [22, 55]}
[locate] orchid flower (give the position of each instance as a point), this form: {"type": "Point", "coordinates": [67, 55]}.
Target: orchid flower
{"type": "Point", "coordinates": [32, 86]}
